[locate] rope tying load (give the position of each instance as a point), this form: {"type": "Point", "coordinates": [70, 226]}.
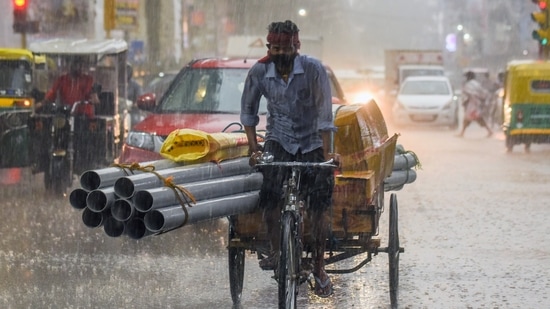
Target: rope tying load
{"type": "Point", "coordinates": [184, 196]}
{"type": "Point", "coordinates": [134, 167]}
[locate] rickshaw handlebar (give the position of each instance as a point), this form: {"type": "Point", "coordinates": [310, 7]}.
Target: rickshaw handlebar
{"type": "Point", "coordinates": [327, 164]}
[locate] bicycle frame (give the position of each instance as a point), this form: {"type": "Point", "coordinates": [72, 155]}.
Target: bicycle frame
{"type": "Point", "coordinates": [289, 274]}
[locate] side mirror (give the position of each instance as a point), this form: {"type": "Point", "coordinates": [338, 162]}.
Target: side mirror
{"type": "Point", "coordinates": [147, 101]}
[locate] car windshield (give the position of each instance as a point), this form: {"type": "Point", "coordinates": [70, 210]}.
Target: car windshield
{"type": "Point", "coordinates": [422, 72]}
{"type": "Point", "coordinates": [14, 75]}
{"type": "Point", "coordinates": [430, 87]}
{"type": "Point", "coordinates": [207, 91]}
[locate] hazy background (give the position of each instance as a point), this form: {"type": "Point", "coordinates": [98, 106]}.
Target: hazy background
{"type": "Point", "coordinates": [354, 32]}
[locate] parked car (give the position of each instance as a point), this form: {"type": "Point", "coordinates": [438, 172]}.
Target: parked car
{"type": "Point", "coordinates": [205, 95]}
{"type": "Point", "coordinates": [426, 100]}
{"type": "Point", "coordinates": [155, 84]}
{"type": "Point", "coordinates": [159, 83]}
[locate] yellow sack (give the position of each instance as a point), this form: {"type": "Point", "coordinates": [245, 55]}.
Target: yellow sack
{"type": "Point", "coordinates": [188, 145]}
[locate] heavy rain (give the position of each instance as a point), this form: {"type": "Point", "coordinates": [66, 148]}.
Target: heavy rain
{"type": "Point", "coordinates": [473, 209]}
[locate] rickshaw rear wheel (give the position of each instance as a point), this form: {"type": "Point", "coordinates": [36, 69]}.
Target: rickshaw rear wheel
{"type": "Point", "coordinates": [393, 252]}
{"type": "Point", "coordinates": [236, 257]}
{"type": "Point", "coordinates": [288, 270]}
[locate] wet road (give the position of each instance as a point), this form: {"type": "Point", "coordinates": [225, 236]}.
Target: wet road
{"type": "Point", "coordinates": [474, 226]}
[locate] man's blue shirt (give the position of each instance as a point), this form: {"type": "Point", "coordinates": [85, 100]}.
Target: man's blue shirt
{"type": "Point", "coordinates": [297, 110]}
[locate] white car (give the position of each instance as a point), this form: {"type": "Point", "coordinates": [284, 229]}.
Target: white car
{"type": "Point", "coordinates": [426, 100]}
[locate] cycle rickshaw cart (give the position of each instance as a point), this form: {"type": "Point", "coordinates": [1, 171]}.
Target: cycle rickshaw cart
{"type": "Point", "coordinates": [67, 141]}
{"type": "Point", "coordinates": [367, 157]}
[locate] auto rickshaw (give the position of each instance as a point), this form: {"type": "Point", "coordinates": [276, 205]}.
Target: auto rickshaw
{"type": "Point", "coordinates": [70, 139]}
{"type": "Point", "coordinates": [16, 103]}
{"type": "Point", "coordinates": [527, 103]}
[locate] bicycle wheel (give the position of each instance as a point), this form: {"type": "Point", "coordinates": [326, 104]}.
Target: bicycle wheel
{"type": "Point", "coordinates": [393, 252]}
{"type": "Point", "coordinates": [236, 267]}
{"type": "Point", "coordinates": [288, 270]}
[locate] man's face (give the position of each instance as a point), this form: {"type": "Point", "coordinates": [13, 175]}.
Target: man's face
{"type": "Point", "coordinates": [282, 55]}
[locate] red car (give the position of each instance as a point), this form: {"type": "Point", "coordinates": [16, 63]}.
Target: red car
{"type": "Point", "coordinates": [206, 96]}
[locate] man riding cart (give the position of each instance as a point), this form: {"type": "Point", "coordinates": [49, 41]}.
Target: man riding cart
{"type": "Point", "coordinates": [79, 125]}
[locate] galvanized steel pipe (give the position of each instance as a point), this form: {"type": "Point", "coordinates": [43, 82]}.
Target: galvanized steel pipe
{"type": "Point", "coordinates": [399, 178]}
{"type": "Point", "coordinates": [146, 200]}
{"type": "Point", "coordinates": [112, 227]}
{"type": "Point", "coordinates": [122, 210]}
{"type": "Point", "coordinates": [93, 219]}
{"type": "Point", "coordinates": [125, 187]}
{"type": "Point", "coordinates": [135, 228]}
{"type": "Point", "coordinates": [77, 198]}
{"type": "Point", "coordinates": [101, 199]}
{"type": "Point", "coordinates": [172, 217]}
{"type": "Point", "coordinates": [404, 161]}
{"type": "Point", "coordinates": [105, 177]}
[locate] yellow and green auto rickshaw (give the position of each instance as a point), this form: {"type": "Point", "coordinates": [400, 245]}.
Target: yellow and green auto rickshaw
{"type": "Point", "coordinates": [527, 103]}
{"type": "Point", "coordinates": [16, 103]}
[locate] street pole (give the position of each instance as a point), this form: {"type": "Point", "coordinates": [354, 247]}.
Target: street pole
{"type": "Point", "coordinates": [24, 40]}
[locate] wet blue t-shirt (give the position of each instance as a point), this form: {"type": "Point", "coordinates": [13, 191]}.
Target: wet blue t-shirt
{"type": "Point", "coordinates": [297, 110]}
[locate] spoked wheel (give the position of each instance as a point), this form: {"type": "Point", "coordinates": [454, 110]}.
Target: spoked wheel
{"type": "Point", "coordinates": [288, 271]}
{"type": "Point", "coordinates": [393, 252]}
{"type": "Point", "coordinates": [236, 267]}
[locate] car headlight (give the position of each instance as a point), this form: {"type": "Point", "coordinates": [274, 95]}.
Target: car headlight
{"type": "Point", "coordinates": [141, 140]}
{"type": "Point", "coordinates": [361, 97]}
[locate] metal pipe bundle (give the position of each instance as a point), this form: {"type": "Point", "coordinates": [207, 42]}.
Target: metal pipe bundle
{"type": "Point", "coordinates": [125, 187]}
{"type": "Point", "coordinates": [403, 170]}
{"type": "Point", "coordinates": [226, 188]}
{"type": "Point", "coordinates": [146, 200]}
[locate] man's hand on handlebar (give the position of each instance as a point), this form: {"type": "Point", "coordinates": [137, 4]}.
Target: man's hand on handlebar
{"type": "Point", "coordinates": [335, 157]}
{"type": "Point", "coordinates": [255, 152]}
{"type": "Point", "coordinates": [254, 158]}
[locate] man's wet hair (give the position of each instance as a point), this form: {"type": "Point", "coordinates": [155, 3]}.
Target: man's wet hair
{"type": "Point", "coordinates": [470, 75]}
{"type": "Point", "coordinates": [283, 27]}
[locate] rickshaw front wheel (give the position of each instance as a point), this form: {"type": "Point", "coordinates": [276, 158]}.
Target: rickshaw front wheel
{"type": "Point", "coordinates": [236, 258]}
{"type": "Point", "coordinates": [289, 261]}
